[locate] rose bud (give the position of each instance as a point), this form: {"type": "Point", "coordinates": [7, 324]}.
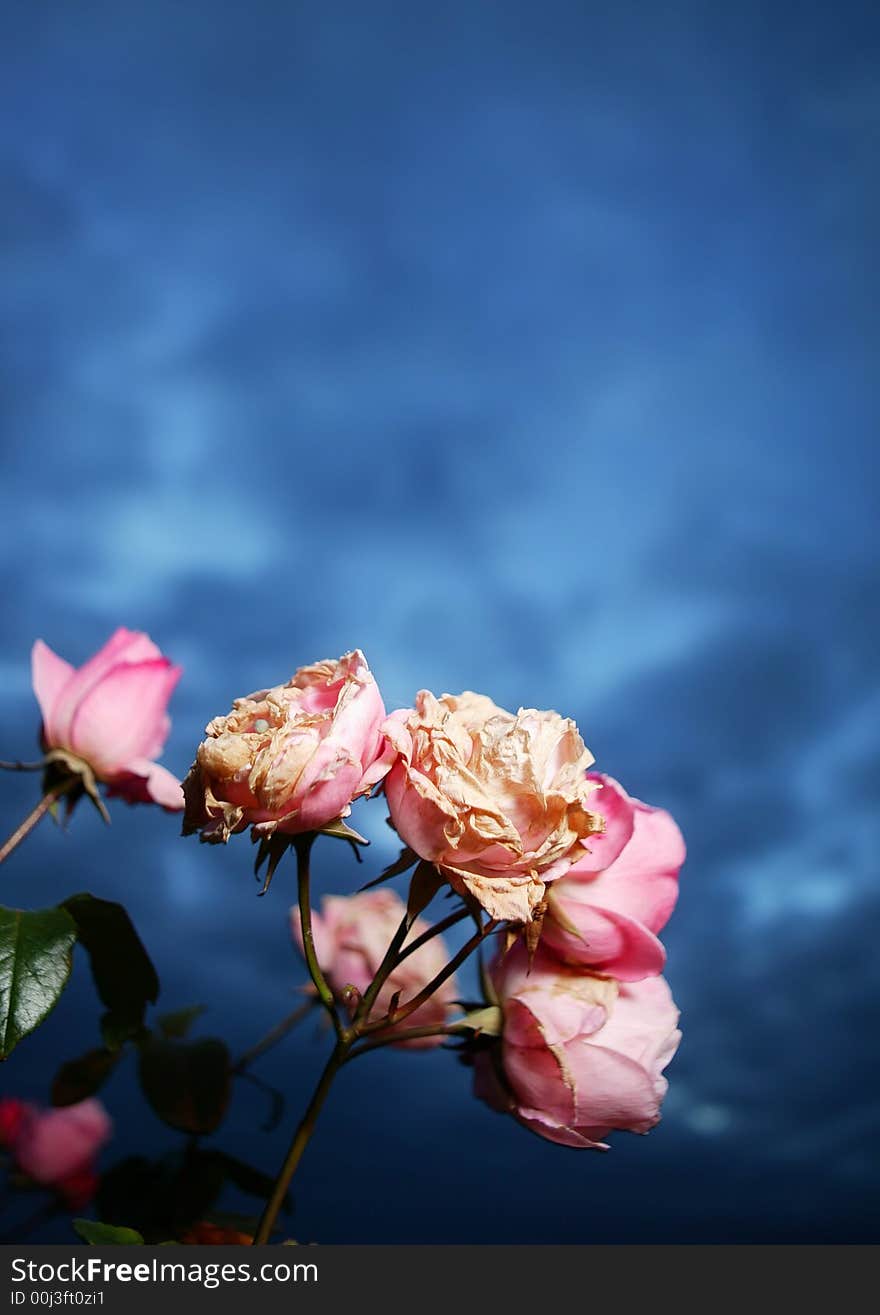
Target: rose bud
{"type": "Point", "coordinates": [606, 911]}
{"type": "Point", "coordinates": [498, 802]}
{"type": "Point", "coordinates": [57, 1148]}
{"type": "Point", "coordinates": [291, 758]}
{"type": "Point", "coordinates": [352, 933]}
{"type": "Point", "coordinates": [109, 715]}
{"type": "Point", "coordinates": [579, 1054]}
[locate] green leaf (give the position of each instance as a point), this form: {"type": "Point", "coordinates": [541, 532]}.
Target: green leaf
{"type": "Point", "coordinates": [186, 1082]}
{"type": "Point", "coordinates": [177, 1025]}
{"type": "Point", "coordinates": [103, 1235]}
{"type": "Point", "coordinates": [488, 1021]}
{"type": "Point", "coordinates": [426, 881]}
{"type": "Point", "coordinates": [36, 955]}
{"type": "Point", "coordinates": [404, 861]}
{"type": "Point", "coordinates": [82, 1077]}
{"type": "Point", "coordinates": [342, 831]}
{"type": "Point", "coordinates": [125, 978]}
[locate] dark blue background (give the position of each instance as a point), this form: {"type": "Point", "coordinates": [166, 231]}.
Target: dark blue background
{"type": "Point", "coordinates": [532, 348]}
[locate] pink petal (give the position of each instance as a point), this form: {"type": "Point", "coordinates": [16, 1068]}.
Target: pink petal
{"type": "Point", "coordinates": [606, 940]}
{"type": "Point", "coordinates": [613, 1091]}
{"type": "Point", "coordinates": [615, 805]}
{"type": "Point", "coordinates": [147, 782]}
{"type": "Point", "coordinates": [643, 1025]}
{"type": "Point", "coordinates": [560, 1002]}
{"type": "Point", "coordinates": [49, 675]}
{"type": "Point", "coordinates": [359, 714]}
{"type": "Point", "coordinates": [122, 646]}
{"type": "Point", "coordinates": [536, 1072]}
{"type": "Point", "coordinates": [416, 815]}
{"type": "Point", "coordinates": [387, 752]}
{"type": "Point", "coordinates": [539, 1121]}
{"type": "Point", "coordinates": [324, 791]}
{"type": "Point", "coordinates": [122, 718]}
{"type": "Point", "coordinates": [643, 881]}
{"type": "Point", "coordinates": [59, 1142]}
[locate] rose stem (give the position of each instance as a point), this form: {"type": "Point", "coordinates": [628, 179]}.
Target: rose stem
{"type": "Point", "coordinates": [436, 930]}
{"type": "Point", "coordinates": [346, 1037]}
{"type": "Point", "coordinates": [406, 1034]}
{"type": "Point", "coordinates": [272, 1037]}
{"type": "Point", "coordinates": [386, 967]}
{"type": "Point", "coordinates": [303, 845]}
{"type": "Point", "coordinates": [301, 1140]}
{"type": "Point", "coordinates": [24, 828]}
{"type": "Point", "coordinates": [417, 1001]}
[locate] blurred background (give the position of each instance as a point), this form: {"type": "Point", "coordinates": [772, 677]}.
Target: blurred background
{"type": "Point", "coordinates": [531, 348]}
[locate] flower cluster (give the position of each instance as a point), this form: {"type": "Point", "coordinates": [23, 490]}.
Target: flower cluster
{"type": "Point", "coordinates": [567, 879]}
{"type": "Point", "coordinates": [505, 809]}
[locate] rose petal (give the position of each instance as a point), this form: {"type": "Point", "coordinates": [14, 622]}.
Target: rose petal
{"type": "Point", "coordinates": [123, 716]}
{"type": "Point", "coordinates": [49, 676]}
{"type": "Point", "coordinates": [606, 940]}
{"type": "Point", "coordinates": [147, 782]}
{"type": "Point", "coordinates": [122, 646]}
{"type": "Point", "coordinates": [613, 803]}
{"type": "Point", "coordinates": [537, 1072]}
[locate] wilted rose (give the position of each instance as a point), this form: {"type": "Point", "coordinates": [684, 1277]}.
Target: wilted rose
{"type": "Point", "coordinates": [110, 713]}
{"type": "Point", "coordinates": [606, 911]}
{"type": "Point", "coordinates": [291, 758]}
{"type": "Point", "coordinates": [352, 933]}
{"type": "Point", "coordinates": [497, 801]}
{"type": "Point", "coordinates": [57, 1148]}
{"type": "Point", "coordinates": [579, 1055]}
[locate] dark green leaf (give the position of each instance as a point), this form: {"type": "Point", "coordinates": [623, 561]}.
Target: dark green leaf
{"type": "Point", "coordinates": [103, 1235]}
{"type": "Point", "coordinates": [36, 955]}
{"type": "Point", "coordinates": [80, 1078]}
{"type": "Point", "coordinates": [124, 976]}
{"type": "Point", "coordinates": [186, 1082]}
{"type": "Point", "coordinates": [178, 1024]}
{"type": "Point", "coordinates": [426, 881]}
{"type": "Point", "coordinates": [247, 1178]}
{"type": "Point", "coordinates": [402, 863]}
{"type": "Point", "coordinates": [116, 1029]}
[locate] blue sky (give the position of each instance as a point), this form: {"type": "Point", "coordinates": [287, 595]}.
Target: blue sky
{"type": "Point", "coordinates": [531, 349]}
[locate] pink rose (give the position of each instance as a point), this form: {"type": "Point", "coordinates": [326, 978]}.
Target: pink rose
{"type": "Point", "coordinates": [57, 1148]}
{"type": "Point", "coordinates": [606, 910]}
{"type": "Point", "coordinates": [579, 1054]}
{"type": "Point", "coordinates": [498, 802]}
{"type": "Point", "coordinates": [110, 713]}
{"type": "Point", "coordinates": [291, 758]}
{"type": "Point", "coordinates": [352, 933]}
